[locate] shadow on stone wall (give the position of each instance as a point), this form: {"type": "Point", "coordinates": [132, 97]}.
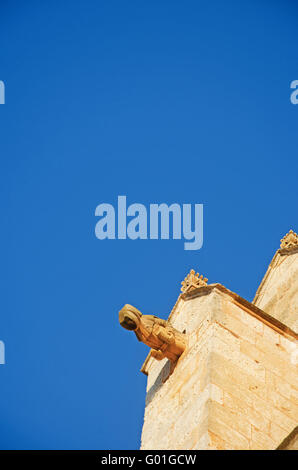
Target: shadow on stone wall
{"type": "Point", "coordinates": [164, 374]}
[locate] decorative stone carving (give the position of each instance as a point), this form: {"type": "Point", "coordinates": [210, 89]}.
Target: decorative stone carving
{"type": "Point", "coordinates": [193, 281]}
{"type": "Point", "coordinates": [158, 334]}
{"type": "Point", "coordinates": [290, 240]}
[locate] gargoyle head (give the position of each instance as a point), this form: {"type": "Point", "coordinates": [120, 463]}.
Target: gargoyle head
{"type": "Point", "coordinates": [129, 317]}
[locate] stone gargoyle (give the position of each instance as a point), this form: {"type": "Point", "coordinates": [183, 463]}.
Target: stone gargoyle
{"type": "Point", "coordinates": [158, 334]}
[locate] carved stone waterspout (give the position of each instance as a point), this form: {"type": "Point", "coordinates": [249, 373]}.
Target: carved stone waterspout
{"type": "Point", "coordinates": [158, 334]}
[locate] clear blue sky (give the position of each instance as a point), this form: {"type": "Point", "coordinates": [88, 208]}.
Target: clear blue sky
{"type": "Point", "coordinates": [162, 101]}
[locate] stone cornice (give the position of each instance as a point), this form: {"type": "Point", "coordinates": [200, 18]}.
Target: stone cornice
{"type": "Point", "coordinates": [249, 307]}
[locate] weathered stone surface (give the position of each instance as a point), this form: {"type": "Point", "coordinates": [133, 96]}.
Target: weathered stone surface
{"type": "Point", "coordinates": [278, 292]}
{"type": "Point", "coordinates": [234, 387]}
{"type": "Point", "coordinates": [233, 384]}
{"type": "Point", "coordinates": [290, 442]}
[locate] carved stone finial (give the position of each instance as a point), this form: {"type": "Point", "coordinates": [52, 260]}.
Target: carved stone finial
{"type": "Point", "coordinates": [158, 334]}
{"type": "Point", "coordinates": [193, 281]}
{"type": "Point", "coordinates": [290, 240]}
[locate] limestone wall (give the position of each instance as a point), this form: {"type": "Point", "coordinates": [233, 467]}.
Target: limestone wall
{"type": "Point", "coordinates": [290, 442]}
{"type": "Point", "coordinates": [278, 293]}
{"type": "Point", "coordinates": [235, 387]}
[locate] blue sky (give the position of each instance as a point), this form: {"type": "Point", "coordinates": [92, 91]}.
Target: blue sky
{"type": "Point", "coordinates": [161, 101]}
